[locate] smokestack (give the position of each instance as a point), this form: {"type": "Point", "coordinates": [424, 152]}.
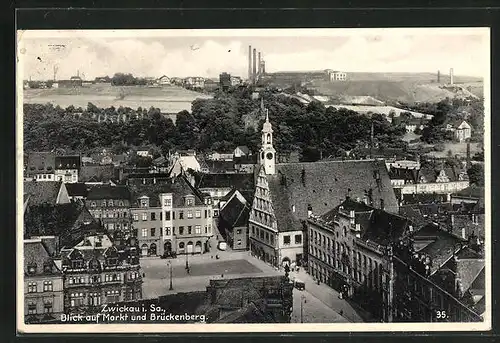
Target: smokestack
{"type": "Point", "coordinates": [254, 64]}
{"type": "Point", "coordinates": [468, 155]}
{"type": "Point", "coordinates": [250, 62]}
{"type": "Point", "coordinates": [439, 77]}
{"type": "Point", "coordinates": [263, 67]}
{"type": "Point", "coordinates": [259, 65]}
{"type": "Point", "coordinates": [451, 76]}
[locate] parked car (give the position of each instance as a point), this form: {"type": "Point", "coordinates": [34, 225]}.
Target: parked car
{"type": "Point", "coordinates": [222, 246]}
{"type": "Point", "coordinates": [171, 254]}
{"type": "Point", "coordinates": [300, 285]}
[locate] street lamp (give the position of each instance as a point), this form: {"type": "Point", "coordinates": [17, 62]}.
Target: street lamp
{"type": "Point", "coordinates": [187, 263]}
{"type": "Point", "coordinates": [302, 300]}
{"type": "Point", "coordinates": [171, 286]}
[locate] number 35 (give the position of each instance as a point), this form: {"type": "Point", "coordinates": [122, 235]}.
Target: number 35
{"type": "Point", "coordinates": [440, 314]}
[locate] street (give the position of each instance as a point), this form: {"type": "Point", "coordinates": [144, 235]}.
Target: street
{"type": "Point", "coordinates": [313, 310]}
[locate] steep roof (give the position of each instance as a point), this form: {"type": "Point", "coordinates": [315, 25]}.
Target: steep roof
{"type": "Point", "coordinates": [472, 191]}
{"type": "Point", "coordinates": [244, 149]}
{"type": "Point", "coordinates": [235, 213]}
{"type": "Point", "coordinates": [108, 192]}
{"type": "Point", "coordinates": [179, 187]}
{"type": "Point", "coordinates": [324, 185]}
{"type": "Point", "coordinates": [97, 173]}
{"type": "Point", "coordinates": [224, 180]}
{"type": "Point", "coordinates": [67, 162]}
{"type": "Point", "coordinates": [43, 192]}
{"type": "Point", "coordinates": [41, 162]}
{"type": "Point", "coordinates": [77, 189]}
{"type": "Point", "coordinates": [36, 255]}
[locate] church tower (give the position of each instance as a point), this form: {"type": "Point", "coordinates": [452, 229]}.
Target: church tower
{"type": "Point", "coordinates": [267, 155]}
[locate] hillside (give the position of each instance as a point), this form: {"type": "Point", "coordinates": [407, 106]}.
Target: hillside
{"type": "Point", "coordinates": [386, 90]}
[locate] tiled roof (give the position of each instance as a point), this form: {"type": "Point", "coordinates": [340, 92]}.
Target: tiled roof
{"type": "Point", "coordinates": [108, 192]}
{"type": "Point", "coordinates": [43, 192]}
{"type": "Point", "coordinates": [468, 270]}
{"type": "Point", "coordinates": [403, 174]}
{"type": "Point", "coordinates": [41, 162]}
{"type": "Point", "coordinates": [67, 162]}
{"type": "Point", "coordinates": [35, 254]}
{"type": "Point", "coordinates": [220, 166]}
{"type": "Point", "coordinates": [472, 191]}
{"type": "Point", "coordinates": [424, 198]}
{"type": "Point", "coordinates": [179, 186]}
{"type": "Point", "coordinates": [97, 173]}
{"type": "Point", "coordinates": [442, 246]}
{"type": "Point", "coordinates": [236, 180]}
{"type": "Point", "coordinates": [77, 189]}
{"type": "Point", "coordinates": [324, 185]}
{"type": "Point", "coordinates": [235, 213]}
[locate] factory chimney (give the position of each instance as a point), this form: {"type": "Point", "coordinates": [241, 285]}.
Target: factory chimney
{"type": "Point", "coordinates": [439, 77]}
{"type": "Point", "coordinates": [254, 65]}
{"type": "Point", "coordinates": [250, 63]}
{"type": "Point", "coordinates": [451, 76]}
{"type": "Point", "coordinates": [259, 65]}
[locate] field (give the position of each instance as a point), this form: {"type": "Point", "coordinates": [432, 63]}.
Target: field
{"type": "Point", "coordinates": [169, 99]}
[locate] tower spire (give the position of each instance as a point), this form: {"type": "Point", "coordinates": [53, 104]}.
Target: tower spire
{"type": "Point", "coordinates": [267, 115]}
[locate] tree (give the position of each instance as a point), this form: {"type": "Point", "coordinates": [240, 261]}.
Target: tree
{"type": "Point", "coordinates": [476, 174]}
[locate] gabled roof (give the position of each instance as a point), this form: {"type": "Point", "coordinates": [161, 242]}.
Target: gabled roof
{"type": "Point", "coordinates": [179, 187]}
{"type": "Point", "coordinates": [97, 173]}
{"type": "Point", "coordinates": [324, 185]}
{"type": "Point", "coordinates": [77, 189]}
{"type": "Point", "coordinates": [108, 192]}
{"type": "Point", "coordinates": [244, 149]}
{"type": "Point", "coordinates": [235, 213]}
{"type": "Point", "coordinates": [40, 162]}
{"type": "Point", "coordinates": [43, 192]}
{"type": "Point", "coordinates": [36, 254]}
{"type": "Point", "coordinates": [376, 225]}
{"type": "Point", "coordinates": [67, 162]}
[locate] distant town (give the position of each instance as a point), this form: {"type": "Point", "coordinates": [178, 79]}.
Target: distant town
{"type": "Point", "coordinates": [277, 197]}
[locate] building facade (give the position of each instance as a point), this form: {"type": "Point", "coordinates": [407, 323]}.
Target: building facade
{"type": "Point", "coordinates": [43, 283]}
{"type": "Point", "coordinates": [67, 168]}
{"type": "Point", "coordinates": [111, 205]}
{"type": "Point", "coordinates": [172, 217]}
{"type": "Point", "coordinates": [96, 272]}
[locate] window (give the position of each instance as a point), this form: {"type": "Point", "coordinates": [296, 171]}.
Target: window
{"type": "Point", "coordinates": [189, 202]}
{"type": "Point", "coordinates": [136, 217]}
{"type": "Point", "coordinates": [181, 214]}
{"type": "Point", "coordinates": [76, 299]}
{"type": "Point", "coordinates": [144, 232]}
{"type": "Point", "coordinates": [32, 308]}
{"type": "Point", "coordinates": [111, 226]}
{"type": "Point", "coordinates": [95, 279]}
{"type": "Point", "coordinates": [104, 203]}
{"type": "Point", "coordinates": [153, 216]}
{"type": "Point", "coordinates": [267, 236]}
{"type": "Point", "coordinates": [209, 213]}
{"type": "Point", "coordinates": [197, 229]}
{"type": "Point", "coordinates": [47, 306]}
{"type": "Point", "coordinates": [190, 214]}
{"type": "Point", "coordinates": [181, 245]}
{"type": "Point", "coordinates": [167, 231]}
{"type": "Point", "coordinates": [298, 239]}
{"type": "Point", "coordinates": [168, 202]}
{"type": "Point", "coordinates": [121, 203]}
{"type": "Point", "coordinates": [144, 216]}
{"type": "Point", "coordinates": [189, 230]}
{"type": "Point", "coordinates": [286, 239]}
{"type": "Point", "coordinates": [173, 215]}
{"type": "Point", "coordinates": [94, 299]}
{"type": "Point", "coordinates": [205, 213]}
{"type": "Point", "coordinates": [198, 213]}
{"type": "Point", "coordinates": [238, 242]}
{"type": "Point", "coordinates": [47, 286]}
{"type": "Point", "coordinates": [153, 232]}
{"type": "Point", "coordinates": [113, 296]}
{"type": "Point", "coordinates": [77, 264]}
{"type": "Point", "coordinates": [92, 204]}
{"type": "Point", "coordinates": [167, 215]}
{"type": "Point", "coordinates": [32, 287]}
{"type": "Point", "coordinates": [181, 230]}
{"type": "Point", "coordinates": [238, 231]}
{"type": "Point", "coordinates": [253, 230]}
{"type": "Point", "coordinates": [272, 239]}
{"type": "Point", "coordinates": [110, 203]}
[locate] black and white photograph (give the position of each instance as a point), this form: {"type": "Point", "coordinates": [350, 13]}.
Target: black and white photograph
{"type": "Point", "coordinates": [253, 180]}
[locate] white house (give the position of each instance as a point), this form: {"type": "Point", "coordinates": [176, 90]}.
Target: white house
{"type": "Point", "coordinates": [164, 80]}
{"type": "Point", "coordinates": [463, 131]}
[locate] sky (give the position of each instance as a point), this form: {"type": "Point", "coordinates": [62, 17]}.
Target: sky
{"type": "Point", "coordinates": [206, 53]}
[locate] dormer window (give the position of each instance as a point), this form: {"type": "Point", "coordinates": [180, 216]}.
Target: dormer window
{"type": "Point", "coordinates": [47, 267]}
{"type": "Point", "coordinates": [189, 201]}
{"type": "Point", "coordinates": [144, 201]}
{"type": "Point", "coordinates": [31, 269]}
{"type": "Point", "coordinates": [111, 261]}
{"type": "Point", "coordinates": [77, 264]}
{"type": "Point", "coordinates": [110, 202]}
